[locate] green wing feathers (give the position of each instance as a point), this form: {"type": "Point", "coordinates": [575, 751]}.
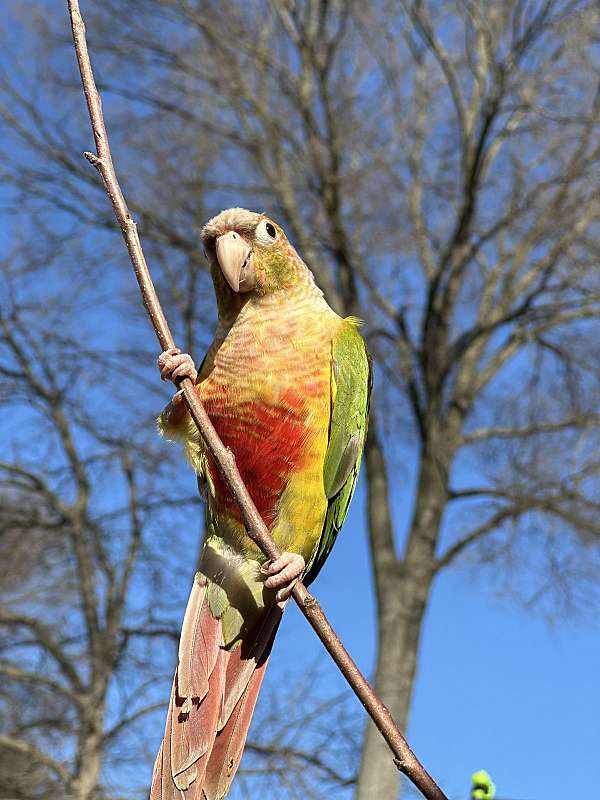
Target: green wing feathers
{"type": "Point", "coordinates": [350, 394]}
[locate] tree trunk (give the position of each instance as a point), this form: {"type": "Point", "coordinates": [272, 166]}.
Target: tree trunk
{"type": "Point", "coordinates": [399, 636]}
{"type": "Point", "coordinates": [84, 785]}
{"type": "Point", "coordinates": [403, 589]}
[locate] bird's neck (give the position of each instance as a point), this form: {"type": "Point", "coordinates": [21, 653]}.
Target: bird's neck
{"type": "Point", "coordinates": [303, 298]}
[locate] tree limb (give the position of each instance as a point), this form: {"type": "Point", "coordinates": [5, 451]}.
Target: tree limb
{"type": "Point", "coordinates": [29, 749]}
{"type": "Point", "coordinates": [11, 671]}
{"type": "Point", "coordinates": [45, 639]}
{"type": "Point", "coordinates": [535, 428]}
{"type": "Point", "coordinates": [519, 505]}
{"type": "Point", "coordinates": [477, 533]}
{"type": "Point", "coordinates": [310, 758]}
{"type": "Point", "coordinates": [123, 723]}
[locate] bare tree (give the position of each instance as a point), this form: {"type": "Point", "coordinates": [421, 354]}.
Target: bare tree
{"type": "Point", "coordinates": [437, 165]}
{"type": "Point", "coordinates": [79, 501]}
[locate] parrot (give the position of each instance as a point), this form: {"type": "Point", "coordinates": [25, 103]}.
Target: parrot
{"type": "Point", "coordinates": [286, 383]}
{"type": "Point", "coordinates": [482, 786]}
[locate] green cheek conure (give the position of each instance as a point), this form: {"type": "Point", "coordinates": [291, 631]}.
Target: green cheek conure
{"type": "Point", "coordinates": [286, 384]}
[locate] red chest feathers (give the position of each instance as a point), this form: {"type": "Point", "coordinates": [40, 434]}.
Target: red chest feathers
{"type": "Point", "coordinates": [268, 441]}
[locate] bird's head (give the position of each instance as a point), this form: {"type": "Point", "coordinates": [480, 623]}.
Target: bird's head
{"type": "Point", "coordinates": [248, 254]}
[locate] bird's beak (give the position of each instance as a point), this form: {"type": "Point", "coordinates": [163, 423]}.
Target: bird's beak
{"type": "Point", "coordinates": [235, 259]}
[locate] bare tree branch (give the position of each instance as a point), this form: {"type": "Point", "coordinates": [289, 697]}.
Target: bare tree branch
{"type": "Point", "coordinates": [34, 753]}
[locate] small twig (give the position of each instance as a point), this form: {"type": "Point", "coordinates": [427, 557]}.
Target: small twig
{"type": "Point", "coordinates": [404, 758]}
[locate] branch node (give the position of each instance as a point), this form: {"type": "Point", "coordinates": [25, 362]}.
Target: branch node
{"type": "Point", "coordinates": [310, 602]}
{"type": "Point", "coordinates": [401, 765]}
{"type": "Point", "coordinates": [93, 159]}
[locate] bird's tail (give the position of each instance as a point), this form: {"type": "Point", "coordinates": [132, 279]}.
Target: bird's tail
{"type": "Point", "coordinates": [212, 699]}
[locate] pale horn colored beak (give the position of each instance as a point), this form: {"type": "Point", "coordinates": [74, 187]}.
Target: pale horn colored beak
{"type": "Point", "coordinates": [235, 259]}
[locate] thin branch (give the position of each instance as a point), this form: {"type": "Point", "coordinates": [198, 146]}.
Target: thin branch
{"type": "Point", "coordinates": [483, 434]}
{"type": "Point", "coordinates": [34, 753]}
{"type": "Point", "coordinates": [405, 759]}
{"type": "Point", "coordinates": [423, 26]}
{"type": "Point", "coordinates": [310, 758]}
{"type": "Point", "coordinates": [117, 604]}
{"type": "Point", "coordinates": [37, 678]}
{"type": "Point", "coordinates": [77, 513]}
{"type": "Point", "coordinates": [477, 533]}
{"type": "Point", "coordinates": [46, 640]}
{"type": "Point", "coordinates": [151, 633]}
{"type": "Point", "coordinates": [123, 723]}
{"type": "Point", "coordinates": [519, 505]}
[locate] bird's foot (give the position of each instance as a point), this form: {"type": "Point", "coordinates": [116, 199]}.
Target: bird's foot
{"type": "Point", "coordinates": [283, 574]}
{"type": "Point", "coordinates": [174, 365]}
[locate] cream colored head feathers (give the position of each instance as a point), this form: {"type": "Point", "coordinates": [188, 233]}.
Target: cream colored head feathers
{"type": "Point", "coordinates": [249, 254]}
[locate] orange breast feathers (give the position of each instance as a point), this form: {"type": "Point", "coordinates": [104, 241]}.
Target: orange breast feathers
{"type": "Point", "coordinates": [271, 442]}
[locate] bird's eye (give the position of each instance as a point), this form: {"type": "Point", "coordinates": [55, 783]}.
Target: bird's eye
{"type": "Point", "coordinates": [266, 232]}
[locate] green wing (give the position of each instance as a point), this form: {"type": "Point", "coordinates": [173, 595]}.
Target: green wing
{"type": "Point", "coordinates": [351, 388]}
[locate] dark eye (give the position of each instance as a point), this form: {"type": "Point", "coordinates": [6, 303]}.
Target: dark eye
{"type": "Point", "coordinates": [270, 229]}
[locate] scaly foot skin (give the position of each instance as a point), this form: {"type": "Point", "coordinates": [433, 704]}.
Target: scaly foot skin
{"type": "Point", "coordinates": [283, 574]}
{"type": "Point", "coordinates": [173, 365]}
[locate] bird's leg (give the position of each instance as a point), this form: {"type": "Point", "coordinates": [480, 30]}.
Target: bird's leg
{"type": "Point", "coordinates": [174, 364]}
{"type": "Point", "coordinates": [283, 574]}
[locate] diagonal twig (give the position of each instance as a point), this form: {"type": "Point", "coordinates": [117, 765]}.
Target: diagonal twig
{"type": "Point", "coordinates": [404, 758]}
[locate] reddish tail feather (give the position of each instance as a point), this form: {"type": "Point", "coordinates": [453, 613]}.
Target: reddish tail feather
{"type": "Point", "coordinates": [212, 700]}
